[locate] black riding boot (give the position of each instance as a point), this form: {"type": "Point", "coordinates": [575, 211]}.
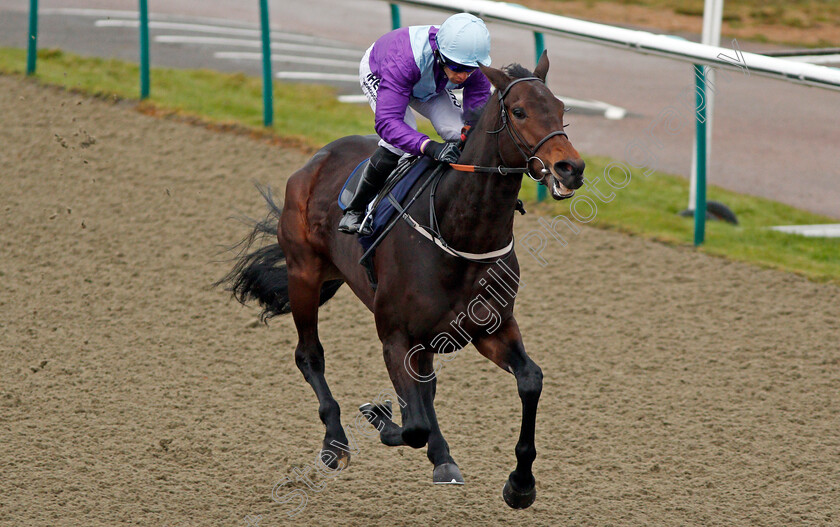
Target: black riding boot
{"type": "Point", "coordinates": [382, 163]}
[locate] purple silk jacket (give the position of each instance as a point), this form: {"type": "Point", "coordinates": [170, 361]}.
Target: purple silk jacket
{"type": "Point", "coordinates": [404, 61]}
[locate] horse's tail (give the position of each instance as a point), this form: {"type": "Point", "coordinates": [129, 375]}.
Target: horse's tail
{"type": "Point", "coordinates": [260, 274]}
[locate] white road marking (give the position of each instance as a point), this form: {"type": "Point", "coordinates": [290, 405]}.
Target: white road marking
{"type": "Point", "coordinates": [613, 113]}
{"type": "Point", "coordinates": [217, 41]}
{"type": "Point", "coordinates": [829, 230]}
{"type": "Point", "coordinates": [219, 30]}
{"type": "Point", "coordinates": [297, 59]}
{"type": "Point", "coordinates": [130, 20]}
{"type": "Point", "coordinates": [353, 99]}
{"type": "Point", "coordinates": [87, 12]}
{"type": "Point", "coordinates": [132, 15]}
{"type": "Point", "coordinates": [316, 76]}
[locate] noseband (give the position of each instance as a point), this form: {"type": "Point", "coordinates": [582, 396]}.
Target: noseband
{"type": "Point", "coordinates": [518, 141]}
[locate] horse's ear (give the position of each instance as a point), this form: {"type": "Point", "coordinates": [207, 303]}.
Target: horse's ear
{"type": "Point", "coordinates": [542, 66]}
{"type": "Point", "coordinates": [497, 78]}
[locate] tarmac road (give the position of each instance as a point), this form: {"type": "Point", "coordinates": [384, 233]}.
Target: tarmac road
{"type": "Point", "coordinates": [770, 138]}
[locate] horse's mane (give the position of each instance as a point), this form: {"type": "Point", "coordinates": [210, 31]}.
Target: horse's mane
{"type": "Point", "coordinates": [517, 71]}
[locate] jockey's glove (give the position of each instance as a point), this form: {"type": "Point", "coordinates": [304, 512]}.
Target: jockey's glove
{"type": "Point", "coordinates": [443, 152]}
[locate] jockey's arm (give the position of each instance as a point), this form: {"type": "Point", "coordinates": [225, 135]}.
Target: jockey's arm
{"type": "Point", "coordinates": [476, 92]}
{"type": "Point", "coordinates": [391, 105]}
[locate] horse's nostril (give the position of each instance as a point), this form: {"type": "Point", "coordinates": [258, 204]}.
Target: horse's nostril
{"type": "Point", "coordinates": [563, 168]}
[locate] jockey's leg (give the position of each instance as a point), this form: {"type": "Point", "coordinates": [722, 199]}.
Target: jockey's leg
{"type": "Point", "coordinates": [382, 163]}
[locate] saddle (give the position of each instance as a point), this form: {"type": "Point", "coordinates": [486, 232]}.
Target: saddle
{"type": "Point", "coordinates": [396, 187]}
{"type": "Point", "coordinates": [381, 211]}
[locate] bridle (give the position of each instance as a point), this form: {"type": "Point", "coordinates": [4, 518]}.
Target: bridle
{"type": "Point", "coordinates": [528, 153]}
{"type": "Point", "coordinates": [518, 141]}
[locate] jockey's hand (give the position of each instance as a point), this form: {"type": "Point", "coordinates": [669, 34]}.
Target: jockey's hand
{"type": "Point", "coordinates": [443, 152]}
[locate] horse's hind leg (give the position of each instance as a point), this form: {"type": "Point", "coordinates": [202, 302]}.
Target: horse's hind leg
{"type": "Point", "coordinates": [304, 295]}
{"type": "Point", "coordinates": [423, 384]}
{"type": "Point", "coordinates": [381, 417]}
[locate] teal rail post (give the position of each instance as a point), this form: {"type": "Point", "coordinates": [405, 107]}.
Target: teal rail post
{"type": "Point", "coordinates": [144, 49]}
{"type": "Point", "coordinates": [539, 47]}
{"type": "Point", "coordinates": [268, 77]}
{"type": "Point", "coordinates": [700, 195]}
{"type": "Point", "coordinates": [395, 16]}
{"type": "Point", "coordinates": [32, 47]}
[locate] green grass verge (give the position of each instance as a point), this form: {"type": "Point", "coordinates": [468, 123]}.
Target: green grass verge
{"type": "Point", "coordinates": [311, 117]}
{"type": "Point", "coordinates": [649, 206]}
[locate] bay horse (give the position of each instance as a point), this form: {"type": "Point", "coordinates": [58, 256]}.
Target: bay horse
{"type": "Point", "coordinates": [422, 289]}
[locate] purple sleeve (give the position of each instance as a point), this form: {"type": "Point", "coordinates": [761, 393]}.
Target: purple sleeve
{"type": "Point", "coordinates": [476, 91]}
{"type": "Point", "coordinates": [392, 98]}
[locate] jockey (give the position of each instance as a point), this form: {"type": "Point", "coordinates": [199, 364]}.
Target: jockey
{"type": "Point", "coordinates": [418, 67]}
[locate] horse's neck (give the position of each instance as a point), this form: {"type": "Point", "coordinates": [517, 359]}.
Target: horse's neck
{"type": "Point", "coordinates": [476, 210]}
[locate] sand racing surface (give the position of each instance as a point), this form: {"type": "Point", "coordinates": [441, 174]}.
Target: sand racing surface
{"type": "Point", "coordinates": [679, 389]}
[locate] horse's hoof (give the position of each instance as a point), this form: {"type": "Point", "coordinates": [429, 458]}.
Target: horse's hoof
{"type": "Point", "coordinates": [382, 410]}
{"type": "Point", "coordinates": [517, 499]}
{"type": "Point", "coordinates": [386, 410]}
{"type": "Point", "coordinates": [367, 411]}
{"type": "Point", "coordinates": [335, 461]}
{"type": "Point", "coordinates": [447, 474]}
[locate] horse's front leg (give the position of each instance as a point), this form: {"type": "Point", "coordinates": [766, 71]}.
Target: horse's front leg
{"type": "Point", "coordinates": [506, 350]}
{"type": "Point", "coordinates": [446, 471]}
{"type": "Point", "coordinates": [414, 379]}
{"type": "Point", "coordinates": [416, 427]}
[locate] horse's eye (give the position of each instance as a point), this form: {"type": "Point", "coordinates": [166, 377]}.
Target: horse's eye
{"type": "Point", "coordinates": [519, 113]}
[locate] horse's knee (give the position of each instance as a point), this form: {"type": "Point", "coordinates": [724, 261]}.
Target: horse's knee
{"type": "Point", "coordinates": [416, 436]}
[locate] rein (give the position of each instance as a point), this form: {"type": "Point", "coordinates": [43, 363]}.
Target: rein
{"type": "Point", "coordinates": [488, 170]}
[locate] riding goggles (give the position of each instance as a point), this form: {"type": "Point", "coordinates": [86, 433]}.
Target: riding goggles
{"type": "Point", "coordinates": [454, 66]}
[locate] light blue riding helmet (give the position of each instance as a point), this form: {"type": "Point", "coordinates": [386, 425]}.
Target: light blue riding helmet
{"type": "Point", "coordinates": [463, 38]}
